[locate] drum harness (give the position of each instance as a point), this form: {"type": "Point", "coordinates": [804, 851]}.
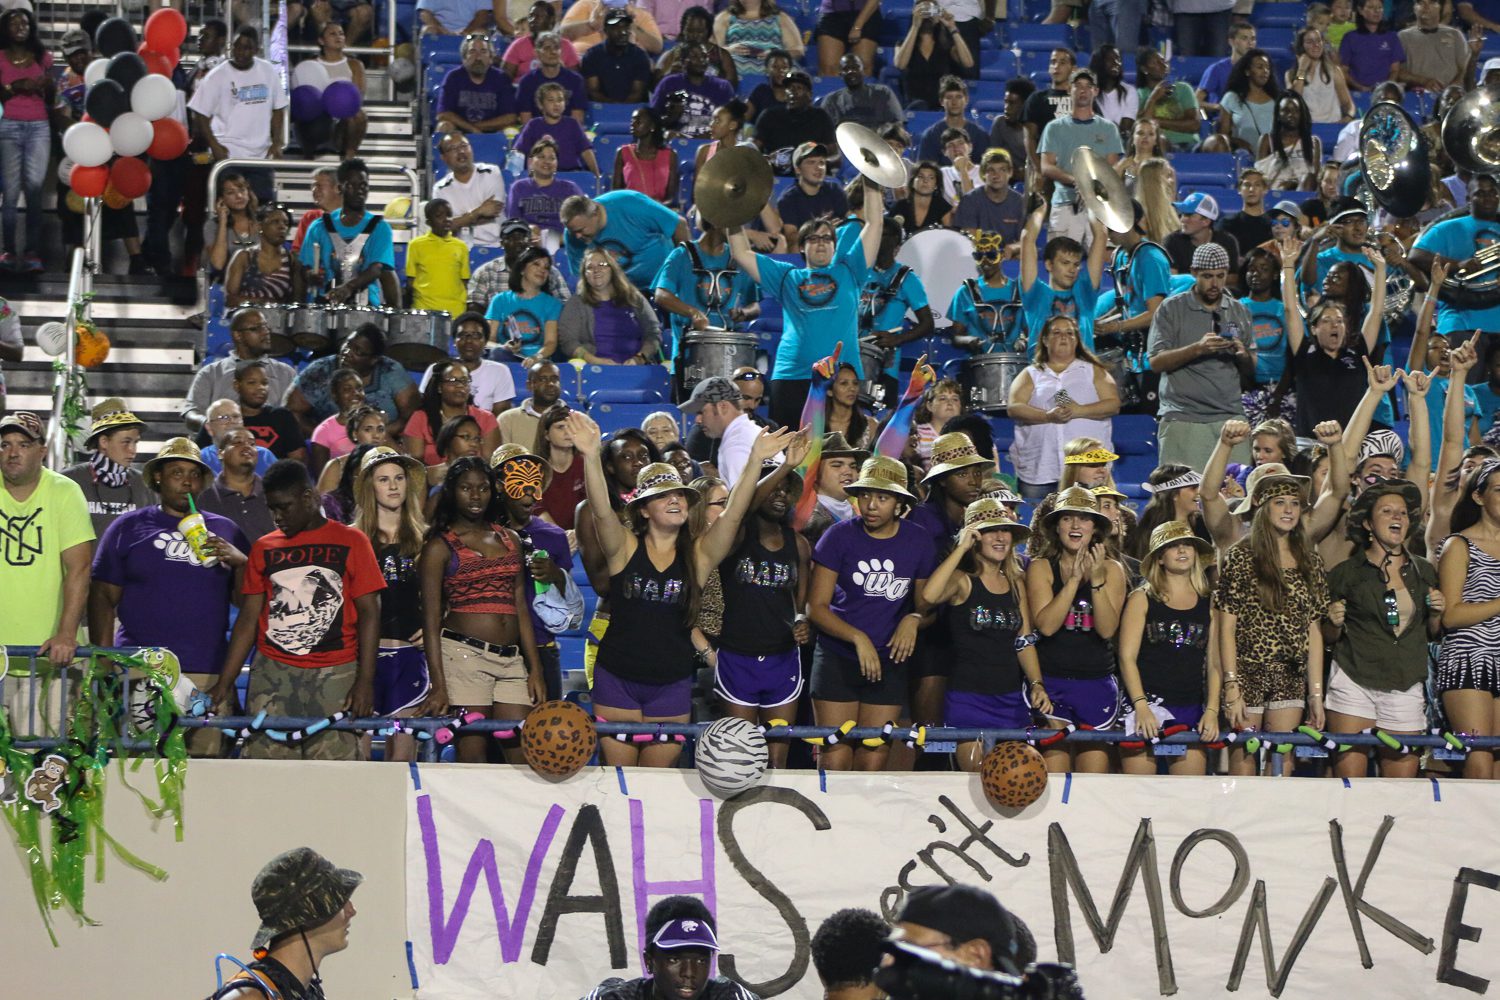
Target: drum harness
{"type": "Point", "coordinates": [347, 253]}
{"type": "Point", "coordinates": [720, 295]}
{"type": "Point", "coordinates": [1001, 331]}
{"type": "Point", "coordinates": [873, 299]}
{"type": "Point", "coordinates": [1134, 352]}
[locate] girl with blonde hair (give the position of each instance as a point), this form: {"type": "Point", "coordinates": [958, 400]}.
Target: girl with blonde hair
{"type": "Point", "coordinates": [1156, 190]}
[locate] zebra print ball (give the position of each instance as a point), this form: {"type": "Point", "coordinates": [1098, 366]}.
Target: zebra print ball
{"type": "Point", "coordinates": [1014, 775]}
{"type": "Point", "coordinates": [731, 756]}
{"type": "Point", "coordinates": [558, 739]}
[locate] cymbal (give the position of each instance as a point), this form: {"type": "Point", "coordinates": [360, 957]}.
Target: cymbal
{"type": "Point", "coordinates": [733, 187]}
{"type": "Point", "coordinates": [871, 155]}
{"type": "Point", "coordinates": [1102, 191]}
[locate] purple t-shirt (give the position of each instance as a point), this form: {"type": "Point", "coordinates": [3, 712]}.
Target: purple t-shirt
{"type": "Point", "coordinates": [703, 99]}
{"type": "Point", "coordinates": [490, 98]}
{"type": "Point", "coordinates": [1368, 57]}
{"type": "Point", "coordinates": [538, 205]}
{"type": "Point", "coordinates": [617, 334]}
{"type": "Point", "coordinates": [526, 87]}
{"type": "Point", "coordinates": [167, 597]}
{"type": "Point", "coordinates": [932, 518]}
{"type": "Point", "coordinates": [876, 578]}
{"type": "Point", "coordinates": [569, 135]}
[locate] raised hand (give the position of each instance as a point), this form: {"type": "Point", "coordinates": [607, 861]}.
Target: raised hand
{"type": "Point", "coordinates": [1439, 274]}
{"type": "Point", "coordinates": [1328, 433]}
{"type": "Point", "coordinates": [1417, 383]}
{"type": "Point", "coordinates": [1465, 356]}
{"type": "Point", "coordinates": [1234, 432]}
{"type": "Point", "coordinates": [584, 431]}
{"type": "Point", "coordinates": [1381, 378]}
{"type": "Point", "coordinates": [768, 443]}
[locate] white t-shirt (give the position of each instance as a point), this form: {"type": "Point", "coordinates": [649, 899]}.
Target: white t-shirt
{"type": "Point", "coordinates": [465, 196]}
{"type": "Point", "coordinates": [491, 384]}
{"type": "Point", "coordinates": [1117, 107]}
{"type": "Point", "coordinates": [734, 449]}
{"type": "Point", "coordinates": [304, 73]}
{"type": "Point", "coordinates": [239, 105]}
{"type": "Point", "coordinates": [951, 189]}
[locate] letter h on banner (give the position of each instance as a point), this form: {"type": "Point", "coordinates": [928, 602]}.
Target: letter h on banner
{"type": "Point", "coordinates": [703, 886]}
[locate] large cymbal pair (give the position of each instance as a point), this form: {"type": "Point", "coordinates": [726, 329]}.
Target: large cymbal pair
{"type": "Point", "coordinates": [1101, 190]}
{"type": "Point", "coordinates": [734, 186]}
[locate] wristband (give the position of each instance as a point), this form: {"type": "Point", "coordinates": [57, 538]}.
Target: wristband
{"type": "Point", "coordinates": [799, 619]}
{"type": "Point", "coordinates": [1141, 698]}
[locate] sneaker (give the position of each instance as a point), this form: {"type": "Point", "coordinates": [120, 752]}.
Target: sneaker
{"type": "Point", "coordinates": [34, 264]}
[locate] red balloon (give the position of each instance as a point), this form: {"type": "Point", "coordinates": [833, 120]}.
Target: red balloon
{"type": "Point", "coordinates": [90, 182]}
{"type": "Point", "coordinates": [130, 176]}
{"type": "Point", "coordinates": [166, 30]}
{"type": "Point", "coordinates": [157, 62]}
{"type": "Point", "coordinates": [171, 139]}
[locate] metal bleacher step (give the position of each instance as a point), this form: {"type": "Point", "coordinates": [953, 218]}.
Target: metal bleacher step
{"type": "Point", "coordinates": [153, 347]}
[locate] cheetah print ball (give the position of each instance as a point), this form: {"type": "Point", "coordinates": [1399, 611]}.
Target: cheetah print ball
{"type": "Point", "coordinates": [1013, 775]}
{"type": "Point", "coordinates": [558, 738]}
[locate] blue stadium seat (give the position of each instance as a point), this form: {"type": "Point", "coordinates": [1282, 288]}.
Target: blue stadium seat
{"type": "Point", "coordinates": [1277, 15]}
{"type": "Point", "coordinates": [1329, 135]}
{"type": "Point", "coordinates": [749, 82]}
{"type": "Point", "coordinates": [480, 256]}
{"type": "Point", "coordinates": [612, 118]}
{"type": "Point", "coordinates": [1042, 37]}
{"type": "Point", "coordinates": [1191, 68]}
{"type": "Point", "coordinates": [1419, 103]}
{"type": "Point", "coordinates": [1204, 170]}
{"type": "Point", "coordinates": [918, 122]}
{"type": "Point", "coordinates": [1275, 40]}
{"type": "Point", "coordinates": [1035, 61]}
{"type": "Point", "coordinates": [997, 64]}
{"type": "Point", "coordinates": [612, 417]}
{"type": "Point", "coordinates": [656, 378]}
{"type": "Point", "coordinates": [585, 181]}
{"type": "Point", "coordinates": [1135, 434]}
{"type": "Point", "coordinates": [825, 85]}
{"type": "Point", "coordinates": [1362, 100]}
{"type": "Point", "coordinates": [606, 148]}
{"type": "Point", "coordinates": [623, 396]}
{"type": "Point", "coordinates": [443, 48]}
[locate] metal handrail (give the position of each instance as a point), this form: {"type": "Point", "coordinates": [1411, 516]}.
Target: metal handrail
{"type": "Point", "coordinates": [373, 166]}
{"type": "Point", "coordinates": [389, 51]}
{"type": "Point", "coordinates": [59, 445]}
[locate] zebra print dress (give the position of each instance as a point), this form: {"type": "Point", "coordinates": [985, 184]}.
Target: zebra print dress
{"type": "Point", "coordinates": [1471, 655]}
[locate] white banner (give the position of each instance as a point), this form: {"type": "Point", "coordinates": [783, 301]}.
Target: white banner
{"type": "Point", "coordinates": [1199, 887]}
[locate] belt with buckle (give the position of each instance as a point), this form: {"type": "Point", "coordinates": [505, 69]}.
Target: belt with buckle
{"type": "Point", "coordinates": [488, 647]}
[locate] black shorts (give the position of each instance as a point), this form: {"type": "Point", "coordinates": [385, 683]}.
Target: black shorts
{"type": "Point", "coordinates": [840, 23]}
{"type": "Point", "coordinates": [836, 677]}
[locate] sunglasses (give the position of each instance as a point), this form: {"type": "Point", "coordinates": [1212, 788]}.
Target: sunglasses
{"type": "Point", "coordinates": [986, 255]}
{"type": "Point", "coordinates": [747, 377]}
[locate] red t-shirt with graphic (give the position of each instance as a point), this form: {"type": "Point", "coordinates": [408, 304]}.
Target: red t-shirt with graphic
{"type": "Point", "coordinates": [311, 581]}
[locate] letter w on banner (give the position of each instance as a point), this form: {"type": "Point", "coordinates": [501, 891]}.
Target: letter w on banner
{"type": "Point", "coordinates": [1202, 887]}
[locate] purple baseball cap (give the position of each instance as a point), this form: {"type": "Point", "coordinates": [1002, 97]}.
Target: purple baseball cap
{"type": "Point", "coordinates": [685, 933]}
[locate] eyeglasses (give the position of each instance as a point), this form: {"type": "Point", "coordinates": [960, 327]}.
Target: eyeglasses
{"type": "Point", "coordinates": [819, 238]}
{"type": "Point", "coordinates": [457, 381]}
{"type": "Point", "coordinates": [986, 255]}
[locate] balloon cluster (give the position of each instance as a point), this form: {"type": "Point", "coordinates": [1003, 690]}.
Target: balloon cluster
{"type": "Point", "coordinates": [128, 105]}
{"type": "Point", "coordinates": [318, 95]}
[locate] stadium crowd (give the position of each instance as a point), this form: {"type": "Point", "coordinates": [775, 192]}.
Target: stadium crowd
{"type": "Point", "coordinates": [1314, 537]}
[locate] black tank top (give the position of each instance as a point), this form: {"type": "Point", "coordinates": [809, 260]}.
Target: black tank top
{"type": "Point", "coordinates": [1075, 650]}
{"type": "Point", "coordinates": [1173, 652]}
{"type": "Point", "coordinates": [401, 601]}
{"type": "Point", "coordinates": [760, 595]}
{"type": "Point", "coordinates": [984, 629]}
{"type": "Point", "coordinates": [648, 638]}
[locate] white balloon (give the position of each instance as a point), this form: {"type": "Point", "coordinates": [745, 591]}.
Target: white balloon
{"type": "Point", "coordinates": [731, 756]}
{"type": "Point", "coordinates": [310, 73]}
{"type": "Point", "coordinates": [88, 144]}
{"type": "Point", "coordinates": [52, 338]}
{"type": "Point", "coordinates": [65, 171]}
{"type": "Point", "coordinates": [131, 134]}
{"type": "Point", "coordinates": [153, 97]}
{"type": "Point", "coordinates": [94, 72]}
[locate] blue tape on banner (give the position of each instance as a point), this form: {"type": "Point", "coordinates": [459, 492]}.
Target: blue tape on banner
{"type": "Point", "coordinates": [620, 773]}
{"type": "Point", "coordinates": [822, 780]}
{"type": "Point", "coordinates": [1067, 786]}
{"type": "Point", "coordinates": [1348, 783]}
{"type": "Point", "coordinates": [1437, 793]}
{"type": "Point", "coordinates": [416, 777]}
{"type": "Point", "coordinates": [411, 965]}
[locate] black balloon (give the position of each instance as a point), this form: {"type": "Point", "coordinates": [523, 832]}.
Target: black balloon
{"type": "Point", "coordinates": [114, 36]}
{"type": "Point", "coordinates": [126, 69]}
{"type": "Point", "coordinates": [106, 101]}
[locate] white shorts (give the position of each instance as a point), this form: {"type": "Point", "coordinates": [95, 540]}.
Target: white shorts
{"type": "Point", "coordinates": [1396, 711]}
{"type": "Point", "coordinates": [1070, 220]}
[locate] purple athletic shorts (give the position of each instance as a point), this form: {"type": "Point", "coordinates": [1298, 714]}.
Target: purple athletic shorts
{"type": "Point", "coordinates": [1094, 703]}
{"type": "Point", "coordinates": [653, 701]}
{"type": "Point", "coordinates": [758, 681]}
{"type": "Point", "coordinates": [969, 710]}
{"type": "Point", "coordinates": [401, 679]}
{"type": "Point", "coordinates": [1167, 715]}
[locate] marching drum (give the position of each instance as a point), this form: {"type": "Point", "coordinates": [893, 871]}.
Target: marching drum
{"type": "Point", "coordinates": [987, 378]}
{"type": "Point", "coordinates": [344, 320]}
{"type": "Point", "coordinates": [944, 260]}
{"type": "Point", "coordinates": [874, 359]}
{"type": "Point", "coordinates": [417, 338]}
{"type": "Point", "coordinates": [1124, 374]}
{"type": "Point", "coordinates": [706, 353]}
{"type": "Point", "coordinates": [307, 326]}
{"type": "Point", "coordinates": [278, 319]}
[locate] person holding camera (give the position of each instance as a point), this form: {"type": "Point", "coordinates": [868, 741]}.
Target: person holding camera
{"type": "Point", "coordinates": [967, 926]}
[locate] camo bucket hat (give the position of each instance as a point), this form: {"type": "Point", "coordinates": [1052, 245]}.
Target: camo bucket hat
{"type": "Point", "coordinates": [299, 890]}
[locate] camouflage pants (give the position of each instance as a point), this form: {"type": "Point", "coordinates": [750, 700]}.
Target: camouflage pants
{"type": "Point", "coordinates": [311, 693]}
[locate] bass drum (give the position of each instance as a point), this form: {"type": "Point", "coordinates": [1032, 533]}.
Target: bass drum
{"type": "Point", "coordinates": [417, 338]}
{"type": "Point", "coordinates": [278, 318]}
{"type": "Point", "coordinates": [944, 260]}
{"type": "Point", "coordinates": [706, 353]}
{"type": "Point", "coordinates": [986, 380]}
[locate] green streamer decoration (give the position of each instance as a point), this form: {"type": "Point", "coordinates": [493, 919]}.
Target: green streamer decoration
{"type": "Point", "coordinates": [67, 783]}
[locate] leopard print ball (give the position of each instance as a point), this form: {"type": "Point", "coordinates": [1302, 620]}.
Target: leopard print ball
{"type": "Point", "coordinates": [558, 738]}
{"type": "Point", "coordinates": [1013, 775]}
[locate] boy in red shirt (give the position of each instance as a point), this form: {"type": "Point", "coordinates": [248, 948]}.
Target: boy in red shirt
{"type": "Point", "coordinates": [312, 609]}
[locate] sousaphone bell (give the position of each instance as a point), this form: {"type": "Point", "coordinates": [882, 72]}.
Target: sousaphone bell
{"type": "Point", "coordinates": [1470, 135]}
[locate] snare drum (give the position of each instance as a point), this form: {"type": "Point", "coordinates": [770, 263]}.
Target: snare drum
{"type": "Point", "coordinates": [987, 380]}
{"type": "Point", "coordinates": [706, 353]}
{"type": "Point", "coordinates": [417, 338]}
{"type": "Point", "coordinates": [1120, 369]}
{"type": "Point", "coordinates": [278, 318]}
{"type": "Point", "coordinates": [874, 360]}
{"type": "Point", "coordinates": [344, 320]}
{"type": "Point", "coordinates": [307, 326]}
